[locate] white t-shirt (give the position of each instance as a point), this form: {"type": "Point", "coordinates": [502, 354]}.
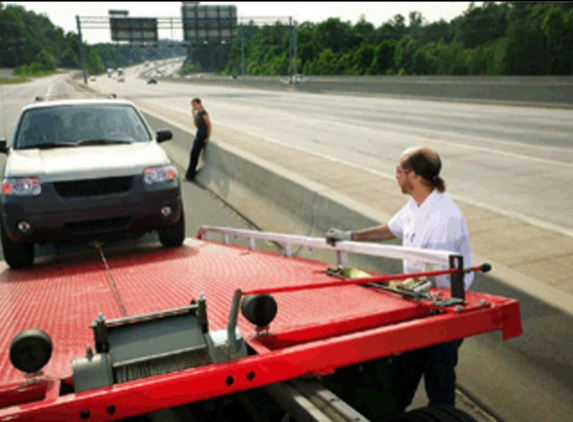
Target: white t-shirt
{"type": "Point", "coordinates": [436, 224]}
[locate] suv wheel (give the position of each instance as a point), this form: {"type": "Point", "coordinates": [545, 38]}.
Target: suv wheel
{"type": "Point", "coordinates": [173, 236]}
{"type": "Point", "coordinates": [17, 254]}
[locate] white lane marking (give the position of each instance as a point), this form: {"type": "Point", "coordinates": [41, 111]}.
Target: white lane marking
{"type": "Point", "coordinates": [49, 93]}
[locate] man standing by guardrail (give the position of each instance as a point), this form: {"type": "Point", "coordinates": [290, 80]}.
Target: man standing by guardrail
{"type": "Point", "coordinates": [429, 220]}
{"type": "Point", "coordinates": [202, 136]}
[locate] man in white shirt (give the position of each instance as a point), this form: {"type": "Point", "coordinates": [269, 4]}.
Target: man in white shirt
{"type": "Point", "coordinates": [429, 220]}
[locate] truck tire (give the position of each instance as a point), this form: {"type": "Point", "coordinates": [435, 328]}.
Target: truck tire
{"type": "Point", "coordinates": [173, 236]}
{"type": "Point", "coordinates": [16, 254]}
{"type": "Point", "coordinates": [435, 414]}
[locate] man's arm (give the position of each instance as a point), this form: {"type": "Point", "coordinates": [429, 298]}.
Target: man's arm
{"type": "Point", "coordinates": [373, 234]}
{"type": "Point", "coordinates": [208, 123]}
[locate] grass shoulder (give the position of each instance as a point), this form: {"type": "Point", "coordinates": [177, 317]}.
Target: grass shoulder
{"type": "Point", "coordinates": [14, 80]}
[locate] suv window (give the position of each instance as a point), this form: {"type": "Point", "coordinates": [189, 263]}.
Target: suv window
{"type": "Point", "coordinates": [72, 124]}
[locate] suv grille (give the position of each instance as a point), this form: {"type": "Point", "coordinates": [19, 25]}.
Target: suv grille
{"type": "Point", "coordinates": [99, 226]}
{"type": "Point", "coordinates": [93, 187]}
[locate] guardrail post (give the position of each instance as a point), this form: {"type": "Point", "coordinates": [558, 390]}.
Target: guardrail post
{"type": "Point", "coordinates": [82, 54]}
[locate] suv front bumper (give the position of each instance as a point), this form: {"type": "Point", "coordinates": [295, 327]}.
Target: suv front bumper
{"type": "Point", "coordinates": [54, 219]}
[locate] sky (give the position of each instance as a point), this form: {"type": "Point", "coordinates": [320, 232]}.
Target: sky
{"type": "Point", "coordinates": [63, 14]}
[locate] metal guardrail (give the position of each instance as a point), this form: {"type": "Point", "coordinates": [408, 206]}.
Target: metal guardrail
{"type": "Point", "coordinates": [341, 248]}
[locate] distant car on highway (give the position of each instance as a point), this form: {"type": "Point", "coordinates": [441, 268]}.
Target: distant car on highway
{"type": "Point", "coordinates": [83, 170]}
{"type": "Point", "coordinates": [151, 80]}
{"type": "Point", "coordinates": [297, 78]}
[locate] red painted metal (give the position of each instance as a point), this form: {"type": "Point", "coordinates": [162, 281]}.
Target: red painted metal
{"type": "Point", "coordinates": [358, 281]}
{"type": "Point", "coordinates": [312, 333]}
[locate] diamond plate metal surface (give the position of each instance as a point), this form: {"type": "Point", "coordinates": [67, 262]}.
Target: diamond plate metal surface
{"type": "Point", "coordinates": [64, 300]}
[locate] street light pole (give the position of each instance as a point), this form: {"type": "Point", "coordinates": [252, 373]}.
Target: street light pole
{"type": "Point", "coordinates": [82, 54]}
{"type": "Point", "coordinates": [242, 53]}
{"type": "Point", "coordinates": [290, 50]}
{"type": "Point", "coordinates": [295, 48]}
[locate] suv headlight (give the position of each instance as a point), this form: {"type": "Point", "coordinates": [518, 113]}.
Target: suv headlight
{"type": "Point", "coordinates": [22, 186]}
{"type": "Point", "coordinates": [155, 175]}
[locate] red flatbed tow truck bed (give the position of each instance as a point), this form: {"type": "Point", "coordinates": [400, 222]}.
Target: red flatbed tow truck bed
{"type": "Point", "coordinates": [315, 330]}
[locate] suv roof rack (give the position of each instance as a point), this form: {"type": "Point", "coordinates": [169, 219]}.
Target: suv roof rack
{"type": "Point", "coordinates": [76, 95]}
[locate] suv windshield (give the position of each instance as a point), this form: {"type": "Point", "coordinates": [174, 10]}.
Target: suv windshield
{"type": "Point", "coordinates": [80, 125]}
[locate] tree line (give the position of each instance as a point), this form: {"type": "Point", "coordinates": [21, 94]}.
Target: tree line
{"type": "Point", "coordinates": [496, 38]}
{"type": "Point", "coordinates": [32, 45]}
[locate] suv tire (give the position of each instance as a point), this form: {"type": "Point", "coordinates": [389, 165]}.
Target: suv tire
{"type": "Point", "coordinates": [16, 254]}
{"type": "Point", "coordinates": [173, 236]}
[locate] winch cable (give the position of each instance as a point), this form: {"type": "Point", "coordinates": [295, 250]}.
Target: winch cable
{"type": "Point", "coordinates": [112, 283]}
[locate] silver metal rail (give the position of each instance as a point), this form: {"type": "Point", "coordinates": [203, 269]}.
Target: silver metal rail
{"type": "Point", "coordinates": [341, 248]}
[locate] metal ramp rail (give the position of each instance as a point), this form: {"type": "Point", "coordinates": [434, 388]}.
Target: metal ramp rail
{"type": "Point", "coordinates": [341, 248]}
{"type": "Point", "coordinates": [434, 259]}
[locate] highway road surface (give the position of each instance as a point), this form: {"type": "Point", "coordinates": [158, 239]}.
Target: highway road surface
{"type": "Point", "coordinates": [514, 160]}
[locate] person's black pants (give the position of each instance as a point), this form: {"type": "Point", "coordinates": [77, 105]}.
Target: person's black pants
{"type": "Point", "coordinates": [440, 374]}
{"type": "Point", "coordinates": [198, 145]}
{"type": "Point", "coordinates": [437, 364]}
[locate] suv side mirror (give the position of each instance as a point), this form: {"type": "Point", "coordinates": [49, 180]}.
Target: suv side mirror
{"type": "Point", "coordinates": [3, 146]}
{"type": "Point", "coordinates": [164, 135]}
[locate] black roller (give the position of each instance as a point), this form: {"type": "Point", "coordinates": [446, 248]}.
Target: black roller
{"type": "Point", "coordinates": [485, 268]}
{"type": "Point", "coordinates": [259, 310]}
{"type": "Point", "coordinates": [31, 350]}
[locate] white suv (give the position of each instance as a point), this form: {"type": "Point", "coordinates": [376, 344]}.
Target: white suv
{"type": "Point", "coordinates": [81, 170]}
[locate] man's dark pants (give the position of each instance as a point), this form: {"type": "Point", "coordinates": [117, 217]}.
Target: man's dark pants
{"type": "Point", "coordinates": [437, 364]}
{"type": "Point", "coordinates": [198, 145]}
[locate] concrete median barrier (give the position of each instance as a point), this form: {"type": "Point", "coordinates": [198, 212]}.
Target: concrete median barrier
{"type": "Point", "coordinates": [547, 91]}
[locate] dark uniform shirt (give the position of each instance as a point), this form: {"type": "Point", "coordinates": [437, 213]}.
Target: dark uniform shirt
{"type": "Point", "coordinates": [201, 125]}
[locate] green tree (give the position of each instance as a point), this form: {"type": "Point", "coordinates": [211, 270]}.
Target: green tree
{"type": "Point", "coordinates": [364, 31]}
{"type": "Point", "coordinates": [426, 59]}
{"type": "Point", "coordinates": [383, 59]}
{"type": "Point", "coordinates": [558, 31]}
{"type": "Point", "coordinates": [435, 32]}
{"type": "Point", "coordinates": [404, 54]}
{"type": "Point", "coordinates": [479, 25]}
{"type": "Point", "coordinates": [327, 63]}
{"type": "Point", "coordinates": [416, 25]}
{"type": "Point", "coordinates": [395, 28]}
{"type": "Point", "coordinates": [527, 49]}
{"type": "Point", "coordinates": [46, 60]}
{"type": "Point", "coordinates": [360, 60]}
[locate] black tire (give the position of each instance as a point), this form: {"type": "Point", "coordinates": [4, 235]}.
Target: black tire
{"type": "Point", "coordinates": [173, 236]}
{"type": "Point", "coordinates": [17, 255]}
{"type": "Point", "coordinates": [435, 414]}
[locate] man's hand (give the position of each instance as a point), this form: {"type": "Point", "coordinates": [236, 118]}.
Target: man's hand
{"type": "Point", "coordinates": [335, 235]}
